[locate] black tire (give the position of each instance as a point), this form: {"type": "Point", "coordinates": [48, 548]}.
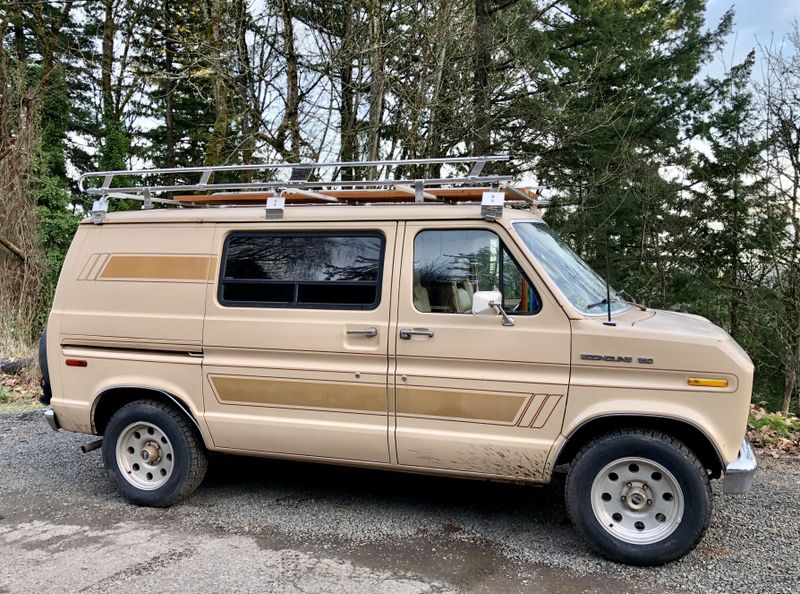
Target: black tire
{"type": "Point", "coordinates": [666, 451]}
{"type": "Point", "coordinates": [189, 459]}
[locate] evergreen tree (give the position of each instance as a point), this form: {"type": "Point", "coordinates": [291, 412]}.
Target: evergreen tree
{"type": "Point", "coordinates": [611, 87]}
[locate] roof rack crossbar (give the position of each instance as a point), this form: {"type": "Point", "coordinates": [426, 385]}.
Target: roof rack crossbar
{"type": "Point", "coordinates": [299, 175]}
{"type": "Point", "coordinates": [375, 183]}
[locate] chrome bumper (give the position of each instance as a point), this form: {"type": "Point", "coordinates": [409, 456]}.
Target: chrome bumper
{"type": "Point", "coordinates": [740, 473]}
{"type": "Point", "coordinates": [50, 417]}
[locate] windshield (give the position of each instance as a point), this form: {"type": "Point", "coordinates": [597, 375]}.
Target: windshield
{"type": "Point", "coordinates": [581, 285]}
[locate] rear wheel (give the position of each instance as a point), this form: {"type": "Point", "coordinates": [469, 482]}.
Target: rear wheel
{"type": "Point", "coordinates": [639, 497]}
{"type": "Point", "coordinates": [152, 454]}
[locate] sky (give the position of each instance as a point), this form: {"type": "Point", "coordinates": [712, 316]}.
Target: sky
{"type": "Point", "coordinates": [755, 22]}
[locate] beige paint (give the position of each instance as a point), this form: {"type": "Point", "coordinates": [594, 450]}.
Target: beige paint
{"type": "Point", "coordinates": [137, 299]}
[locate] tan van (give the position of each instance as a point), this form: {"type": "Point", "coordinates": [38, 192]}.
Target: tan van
{"type": "Point", "coordinates": [427, 327]}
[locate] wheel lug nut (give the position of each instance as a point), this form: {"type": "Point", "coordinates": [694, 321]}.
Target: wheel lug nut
{"type": "Point", "coordinates": [649, 502]}
{"type": "Point", "coordinates": [630, 485]}
{"type": "Point", "coordinates": [623, 498]}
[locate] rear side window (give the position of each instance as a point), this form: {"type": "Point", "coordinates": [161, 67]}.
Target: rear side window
{"type": "Point", "coordinates": [302, 270]}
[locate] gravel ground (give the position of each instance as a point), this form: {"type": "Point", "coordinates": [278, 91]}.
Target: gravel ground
{"type": "Point", "coordinates": [260, 525]}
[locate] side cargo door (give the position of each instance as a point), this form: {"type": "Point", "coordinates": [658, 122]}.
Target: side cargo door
{"type": "Point", "coordinates": [473, 395]}
{"type": "Point", "coordinates": [296, 340]}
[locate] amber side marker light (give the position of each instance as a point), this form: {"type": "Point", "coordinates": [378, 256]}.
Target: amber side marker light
{"type": "Point", "coordinates": [77, 362]}
{"type": "Point", "coordinates": [707, 382]}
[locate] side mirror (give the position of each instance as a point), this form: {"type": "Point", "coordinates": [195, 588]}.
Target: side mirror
{"type": "Point", "coordinates": [490, 303]}
{"type": "Point", "coordinates": [483, 302]}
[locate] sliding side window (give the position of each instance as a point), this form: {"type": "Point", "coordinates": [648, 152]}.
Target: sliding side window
{"type": "Point", "coordinates": [302, 270]}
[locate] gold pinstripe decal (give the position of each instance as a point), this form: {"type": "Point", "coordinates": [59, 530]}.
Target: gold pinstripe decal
{"type": "Point", "coordinates": [369, 398]}
{"type": "Point", "coordinates": [478, 406]}
{"type": "Point", "coordinates": [156, 267]}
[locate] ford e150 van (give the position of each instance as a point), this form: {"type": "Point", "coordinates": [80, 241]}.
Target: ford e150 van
{"type": "Point", "coordinates": [435, 325]}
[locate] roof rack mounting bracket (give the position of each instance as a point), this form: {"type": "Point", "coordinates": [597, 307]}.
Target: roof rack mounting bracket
{"type": "Point", "coordinates": [274, 208]}
{"type": "Point", "coordinates": [492, 205]}
{"type": "Point", "coordinates": [419, 191]}
{"type": "Point", "coordinates": [99, 210]}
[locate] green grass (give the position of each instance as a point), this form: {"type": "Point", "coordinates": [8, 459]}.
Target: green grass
{"type": "Point", "coordinates": [788, 427]}
{"type": "Point", "coordinates": [18, 407]}
{"type": "Point", "coordinates": [5, 395]}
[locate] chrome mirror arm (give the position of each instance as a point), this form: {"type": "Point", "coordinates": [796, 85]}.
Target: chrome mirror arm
{"type": "Point", "coordinates": [507, 320]}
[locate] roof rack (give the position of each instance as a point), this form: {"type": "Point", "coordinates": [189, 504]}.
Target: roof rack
{"type": "Point", "coordinates": [303, 183]}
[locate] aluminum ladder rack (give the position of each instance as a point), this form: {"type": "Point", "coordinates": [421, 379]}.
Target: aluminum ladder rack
{"type": "Point", "coordinates": [302, 183]}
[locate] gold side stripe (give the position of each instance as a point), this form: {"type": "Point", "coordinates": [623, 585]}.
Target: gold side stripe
{"type": "Point", "coordinates": [499, 408]}
{"type": "Point", "coordinates": [315, 395]}
{"type": "Point", "coordinates": [532, 410]}
{"type": "Point", "coordinates": [157, 267]}
{"type": "Point", "coordinates": [541, 418]}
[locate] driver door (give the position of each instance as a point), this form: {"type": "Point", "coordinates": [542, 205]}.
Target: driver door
{"type": "Point", "coordinates": [473, 395]}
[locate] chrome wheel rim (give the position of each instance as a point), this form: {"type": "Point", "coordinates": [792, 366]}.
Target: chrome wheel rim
{"type": "Point", "coordinates": [637, 500]}
{"type": "Point", "coordinates": [145, 456]}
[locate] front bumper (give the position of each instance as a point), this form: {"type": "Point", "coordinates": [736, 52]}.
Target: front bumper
{"type": "Point", "coordinates": [50, 417]}
{"type": "Point", "coordinates": [740, 473]}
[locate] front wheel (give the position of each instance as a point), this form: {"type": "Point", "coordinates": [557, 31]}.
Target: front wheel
{"type": "Point", "coordinates": [152, 454]}
{"type": "Point", "coordinates": [640, 497]}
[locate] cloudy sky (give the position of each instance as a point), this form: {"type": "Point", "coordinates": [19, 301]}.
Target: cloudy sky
{"type": "Point", "coordinates": [756, 22]}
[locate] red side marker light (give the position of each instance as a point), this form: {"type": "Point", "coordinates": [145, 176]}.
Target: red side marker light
{"type": "Point", "coordinates": [77, 363]}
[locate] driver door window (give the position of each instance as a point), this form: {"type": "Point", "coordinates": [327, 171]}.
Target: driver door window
{"type": "Point", "coordinates": [451, 265]}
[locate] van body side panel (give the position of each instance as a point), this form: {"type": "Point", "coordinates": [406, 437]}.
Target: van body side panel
{"type": "Point", "coordinates": [642, 366]}
{"type": "Point", "coordinates": [140, 283]}
{"type": "Point", "coordinates": [72, 417]}
{"type": "Point", "coordinates": [291, 380]}
{"type": "Point", "coordinates": [477, 396]}
{"type": "Point", "coordinates": [133, 308]}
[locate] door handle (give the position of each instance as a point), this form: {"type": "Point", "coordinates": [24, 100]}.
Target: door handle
{"type": "Point", "coordinates": [407, 333]}
{"type": "Point", "coordinates": [370, 332]}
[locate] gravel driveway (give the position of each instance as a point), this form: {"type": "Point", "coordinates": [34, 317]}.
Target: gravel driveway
{"type": "Point", "coordinates": [258, 525]}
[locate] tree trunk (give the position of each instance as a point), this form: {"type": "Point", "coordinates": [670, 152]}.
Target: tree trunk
{"type": "Point", "coordinates": [246, 120]}
{"type": "Point", "coordinates": [348, 149]}
{"type": "Point", "coordinates": [376, 85]}
{"type": "Point", "coordinates": [736, 295]}
{"type": "Point", "coordinates": [791, 379]}
{"type": "Point", "coordinates": [19, 36]}
{"type": "Point", "coordinates": [433, 143]}
{"type": "Point", "coordinates": [220, 129]}
{"type": "Point", "coordinates": [791, 298]}
{"type": "Point", "coordinates": [347, 114]}
{"type": "Point", "coordinates": [481, 99]}
{"type": "Point", "coordinates": [169, 87]}
{"type": "Point", "coordinates": [292, 117]}
{"type": "Point", "coordinates": [107, 62]}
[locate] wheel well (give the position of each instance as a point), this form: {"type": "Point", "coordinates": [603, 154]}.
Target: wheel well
{"type": "Point", "coordinates": [113, 399]}
{"type": "Point", "coordinates": [694, 438]}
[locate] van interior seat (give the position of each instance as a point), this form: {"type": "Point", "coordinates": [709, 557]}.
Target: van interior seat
{"type": "Point", "coordinates": [422, 301]}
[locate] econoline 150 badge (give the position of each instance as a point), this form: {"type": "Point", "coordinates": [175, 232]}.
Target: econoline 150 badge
{"type": "Point", "coordinates": [616, 358]}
